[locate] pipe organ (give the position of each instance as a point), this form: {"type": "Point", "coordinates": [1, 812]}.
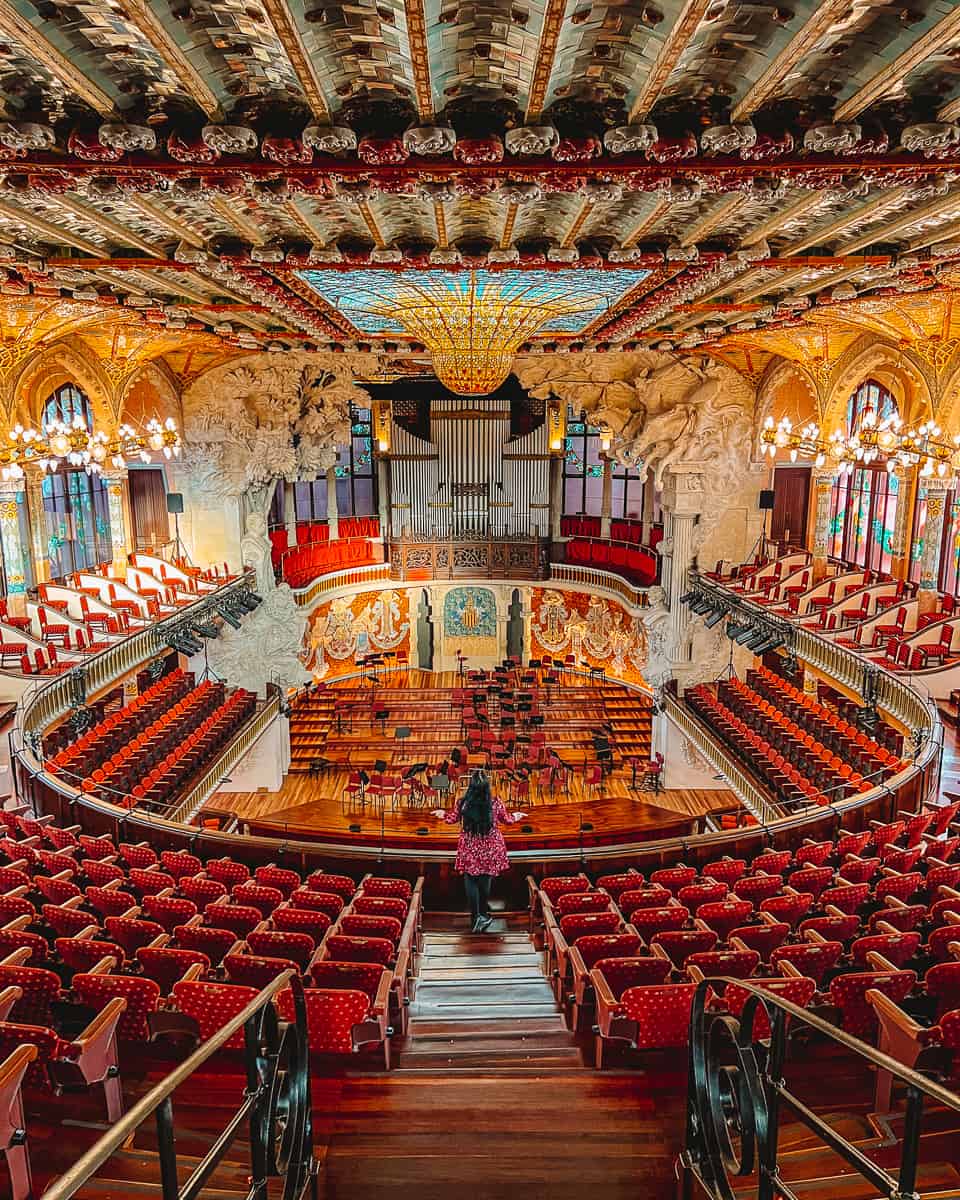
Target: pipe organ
{"type": "Point", "coordinates": [470, 479]}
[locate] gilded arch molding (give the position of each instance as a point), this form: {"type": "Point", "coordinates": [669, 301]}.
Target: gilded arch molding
{"type": "Point", "coordinates": [894, 366]}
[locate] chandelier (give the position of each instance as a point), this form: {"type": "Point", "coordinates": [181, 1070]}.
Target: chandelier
{"type": "Point", "coordinates": [473, 327]}
{"type": "Point", "coordinates": [76, 445]}
{"type": "Point", "coordinates": [874, 440]}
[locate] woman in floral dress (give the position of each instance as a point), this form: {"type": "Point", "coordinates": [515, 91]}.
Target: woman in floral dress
{"type": "Point", "coordinates": [481, 851]}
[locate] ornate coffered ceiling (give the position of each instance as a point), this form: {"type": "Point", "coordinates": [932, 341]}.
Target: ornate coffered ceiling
{"type": "Point", "coordinates": [756, 165]}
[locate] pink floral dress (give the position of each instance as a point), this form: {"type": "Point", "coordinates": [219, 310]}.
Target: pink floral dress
{"type": "Point", "coordinates": [482, 854]}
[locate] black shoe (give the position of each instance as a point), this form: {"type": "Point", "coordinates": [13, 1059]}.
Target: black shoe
{"type": "Point", "coordinates": [484, 924]}
{"type": "Point", "coordinates": [477, 925]}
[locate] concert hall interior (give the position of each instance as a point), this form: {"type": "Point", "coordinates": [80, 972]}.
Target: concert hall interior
{"type": "Point", "coordinates": [480, 599]}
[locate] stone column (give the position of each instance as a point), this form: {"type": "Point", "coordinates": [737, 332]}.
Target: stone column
{"type": "Point", "coordinates": [606, 500]}
{"type": "Point", "coordinates": [822, 487]}
{"type": "Point", "coordinates": [290, 512]}
{"type": "Point", "coordinates": [556, 498]}
{"type": "Point", "coordinates": [900, 547]}
{"type": "Point", "coordinates": [117, 483]}
{"type": "Point", "coordinates": [683, 498]}
{"type": "Point", "coordinates": [932, 534]}
{"type": "Point", "coordinates": [38, 529]}
{"type": "Point", "coordinates": [16, 556]}
{"type": "Point", "coordinates": [683, 524]}
{"type": "Point", "coordinates": [333, 516]}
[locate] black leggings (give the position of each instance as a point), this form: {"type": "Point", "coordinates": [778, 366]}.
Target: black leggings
{"type": "Point", "coordinates": [478, 894]}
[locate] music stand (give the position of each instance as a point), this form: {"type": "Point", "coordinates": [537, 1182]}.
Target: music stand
{"type": "Point", "coordinates": [382, 715]}
{"type": "Point", "coordinates": [441, 785]}
{"type": "Point", "coordinates": [380, 766]}
{"type": "Point", "coordinates": [401, 732]}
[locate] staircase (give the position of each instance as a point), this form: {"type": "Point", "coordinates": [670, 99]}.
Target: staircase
{"type": "Point", "coordinates": [482, 1002]}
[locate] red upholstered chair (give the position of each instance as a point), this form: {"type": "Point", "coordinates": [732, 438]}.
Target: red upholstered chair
{"type": "Point", "coordinates": [897, 948]}
{"type": "Point", "coordinates": [727, 869]}
{"type": "Point", "coordinates": [707, 892]}
{"type": "Point", "coordinates": [201, 891]}
{"type": "Point", "coordinates": [110, 901]}
{"type": "Point", "coordinates": [131, 933]}
{"type": "Point", "coordinates": [764, 937]}
{"type": "Point", "coordinates": [56, 890]}
{"type": "Point", "coordinates": [341, 948]}
{"type": "Point", "coordinates": [813, 959]}
{"type": "Point", "coordinates": [298, 947]}
{"type": "Point", "coordinates": [241, 918]}
{"type": "Point", "coordinates": [724, 916]}
{"type": "Point", "coordinates": [649, 922]}
{"type": "Point", "coordinates": [180, 863]}
{"type": "Point", "coordinates": [280, 878]}
{"type": "Point", "coordinates": [13, 938]}
{"type": "Point", "coordinates": [942, 982]}
{"type": "Point", "coordinates": [674, 878]}
{"type": "Point", "coordinates": [326, 902]}
{"type": "Point", "coordinates": [584, 956]}
{"type": "Point", "coordinates": [340, 885]}
{"type": "Point", "coordinates": [379, 906]}
{"type": "Point", "coordinates": [555, 886]}
{"type": "Point", "coordinates": [166, 965]}
{"type": "Point", "coordinates": [207, 939]}
{"type": "Point", "coordinates": [38, 988]}
{"type": "Point", "coordinates": [101, 873]}
{"type": "Point", "coordinates": [213, 1005]}
{"type": "Point", "coordinates": [65, 919]}
{"type": "Point", "coordinates": [660, 1016]}
{"type": "Point", "coordinates": [772, 862]}
{"type": "Point", "coordinates": [256, 970]}
{"type": "Point", "coordinates": [80, 954]}
{"type": "Point", "coordinates": [228, 872]}
{"type": "Point", "coordinates": [582, 902]}
{"type": "Point", "coordinates": [799, 991]}
{"type": "Point", "coordinates": [739, 964]}
{"type": "Point", "coordinates": [301, 920]}
{"type": "Point", "coordinates": [265, 899]}
{"type": "Point", "coordinates": [616, 885]}
{"type": "Point", "coordinates": [378, 886]}
{"type": "Point", "coordinates": [13, 1138]}
{"type": "Point", "coordinates": [342, 1020]}
{"type": "Point", "coordinates": [370, 927]}
{"type": "Point", "coordinates": [848, 995]}
{"type": "Point", "coordinates": [679, 944]}
{"type": "Point", "coordinates": [792, 907]}
{"type": "Point", "coordinates": [169, 911]}
{"type": "Point", "coordinates": [150, 880]}
{"type": "Point", "coordinates": [142, 996]}
{"type": "Point", "coordinates": [812, 879]}
{"type": "Point", "coordinates": [757, 888]}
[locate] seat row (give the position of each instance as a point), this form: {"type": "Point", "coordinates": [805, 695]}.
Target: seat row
{"type": "Point", "coordinates": [832, 925]}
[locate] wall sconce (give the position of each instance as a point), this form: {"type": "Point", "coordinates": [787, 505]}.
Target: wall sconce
{"type": "Point", "coordinates": [381, 426]}
{"type": "Point", "coordinates": [606, 438]}
{"type": "Point", "coordinates": [556, 427]}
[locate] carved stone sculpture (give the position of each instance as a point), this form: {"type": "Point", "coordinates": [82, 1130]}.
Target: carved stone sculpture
{"type": "Point", "coordinates": [229, 139]}
{"type": "Point", "coordinates": [267, 646]}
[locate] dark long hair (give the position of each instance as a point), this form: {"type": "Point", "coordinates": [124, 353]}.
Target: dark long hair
{"type": "Point", "coordinates": [476, 812]}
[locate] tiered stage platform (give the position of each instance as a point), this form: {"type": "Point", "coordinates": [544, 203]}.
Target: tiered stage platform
{"type": "Point", "coordinates": [334, 731]}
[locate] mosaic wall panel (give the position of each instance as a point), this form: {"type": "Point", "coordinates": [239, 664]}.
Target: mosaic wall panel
{"type": "Point", "coordinates": [596, 631]}
{"type": "Point", "coordinates": [343, 630]}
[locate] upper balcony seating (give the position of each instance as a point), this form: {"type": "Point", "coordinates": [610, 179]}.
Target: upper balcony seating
{"type": "Point", "coordinates": [805, 754]}
{"type": "Point", "coordinates": [147, 749]}
{"type": "Point", "coordinates": [638, 980]}
{"type": "Point", "coordinates": [636, 563]}
{"type": "Point", "coordinates": [306, 562]}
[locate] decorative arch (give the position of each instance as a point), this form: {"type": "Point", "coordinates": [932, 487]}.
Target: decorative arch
{"type": "Point", "coordinates": [892, 366]}
{"type": "Point", "coordinates": [152, 391]}
{"type": "Point", "coordinates": [787, 389]}
{"type": "Point", "coordinates": [68, 361]}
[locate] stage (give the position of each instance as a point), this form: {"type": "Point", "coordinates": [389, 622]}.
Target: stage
{"type": "Point", "coordinates": [342, 728]}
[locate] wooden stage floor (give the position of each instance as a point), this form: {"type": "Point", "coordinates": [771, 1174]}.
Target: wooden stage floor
{"type": "Point", "coordinates": [309, 806]}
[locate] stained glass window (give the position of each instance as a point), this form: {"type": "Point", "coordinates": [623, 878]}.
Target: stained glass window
{"type": "Point", "coordinates": [863, 505]}
{"type": "Point", "coordinates": [75, 505]}
{"type": "Point", "coordinates": [355, 471]}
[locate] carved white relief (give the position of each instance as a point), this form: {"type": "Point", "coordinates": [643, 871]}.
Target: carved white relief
{"type": "Point", "coordinates": [269, 418]}
{"type": "Point", "coordinates": [255, 552]}
{"type": "Point", "coordinates": [267, 646]}
{"type": "Point", "coordinates": [661, 411]}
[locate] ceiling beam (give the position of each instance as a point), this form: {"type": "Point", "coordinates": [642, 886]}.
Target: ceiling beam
{"type": "Point", "coordinates": [672, 47]}
{"type": "Point", "coordinates": [306, 223]}
{"type": "Point", "coordinates": [936, 208]}
{"type": "Point", "coordinates": [941, 233]}
{"type": "Point", "coordinates": [645, 223]}
{"type": "Point", "coordinates": [372, 224]}
{"type": "Point", "coordinates": [546, 56]}
{"type": "Point", "coordinates": [50, 232]}
{"type": "Point", "coordinates": [419, 57]}
{"type": "Point", "coordinates": [792, 212]}
{"type": "Point", "coordinates": [156, 212]}
{"type": "Point", "coordinates": [825, 14]}
{"type": "Point", "coordinates": [288, 33]}
{"type": "Point", "coordinates": [864, 212]}
{"type": "Point", "coordinates": [509, 221]}
{"type": "Point", "coordinates": [710, 220]}
{"type": "Point", "coordinates": [886, 79]}
{"type": "Point", "coordinates": [237, 219]}
{"type": "Point", "coordinates": [143, 15]}
{"type": "Point", "coordinates": [113, 228]}
{"type": "Point", "coordinates": [19, 29]}
{"type": "Point", "coordinates": [578, 222]}
{"type": "Point", "coordinates": [440, 220]}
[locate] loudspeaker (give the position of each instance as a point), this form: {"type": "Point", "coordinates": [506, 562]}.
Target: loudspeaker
{"type": "Point", "coordinates": [175, 502]}
{"type": "Point", "coordinates": [766, 501]}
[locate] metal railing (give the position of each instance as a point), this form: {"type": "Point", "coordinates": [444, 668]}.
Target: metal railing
{"type": "Point", "coordinates": [738, 1088]}
{"type": "Point", "coordinates": [754, 798]}
{"type": "Point", "coordinates": [275, 1113]}
{"type": "Point", "coordinates": [336, 581]}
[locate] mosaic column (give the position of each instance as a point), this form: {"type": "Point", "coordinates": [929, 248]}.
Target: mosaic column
{"type": "Point", "coordinates": [900, 547]}
{"type": "Point", "coordinates": [15, 554]}
{"type": "Point", "coordinates": [648, 508]}
{"type": "Point", "coordinates": [822, 488]}
{"type": "Point", "coordinates": [333, 516]}
{"type": "Point", "coordinates": [606, 500]}
{"type": "Point", "coordinates": [116, 484]}
{"type": "Point", "coordinates": [683, 525]}
{"type": "Point", "coordinates": [39, 538]}
{"type": "Point", "coordinates": [932, 534]}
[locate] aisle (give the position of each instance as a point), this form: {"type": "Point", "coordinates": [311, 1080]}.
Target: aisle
{"type": "Point", "coordinates": [483, 1002]}
{"type": "Point", "coordinates": [491, 1096]}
